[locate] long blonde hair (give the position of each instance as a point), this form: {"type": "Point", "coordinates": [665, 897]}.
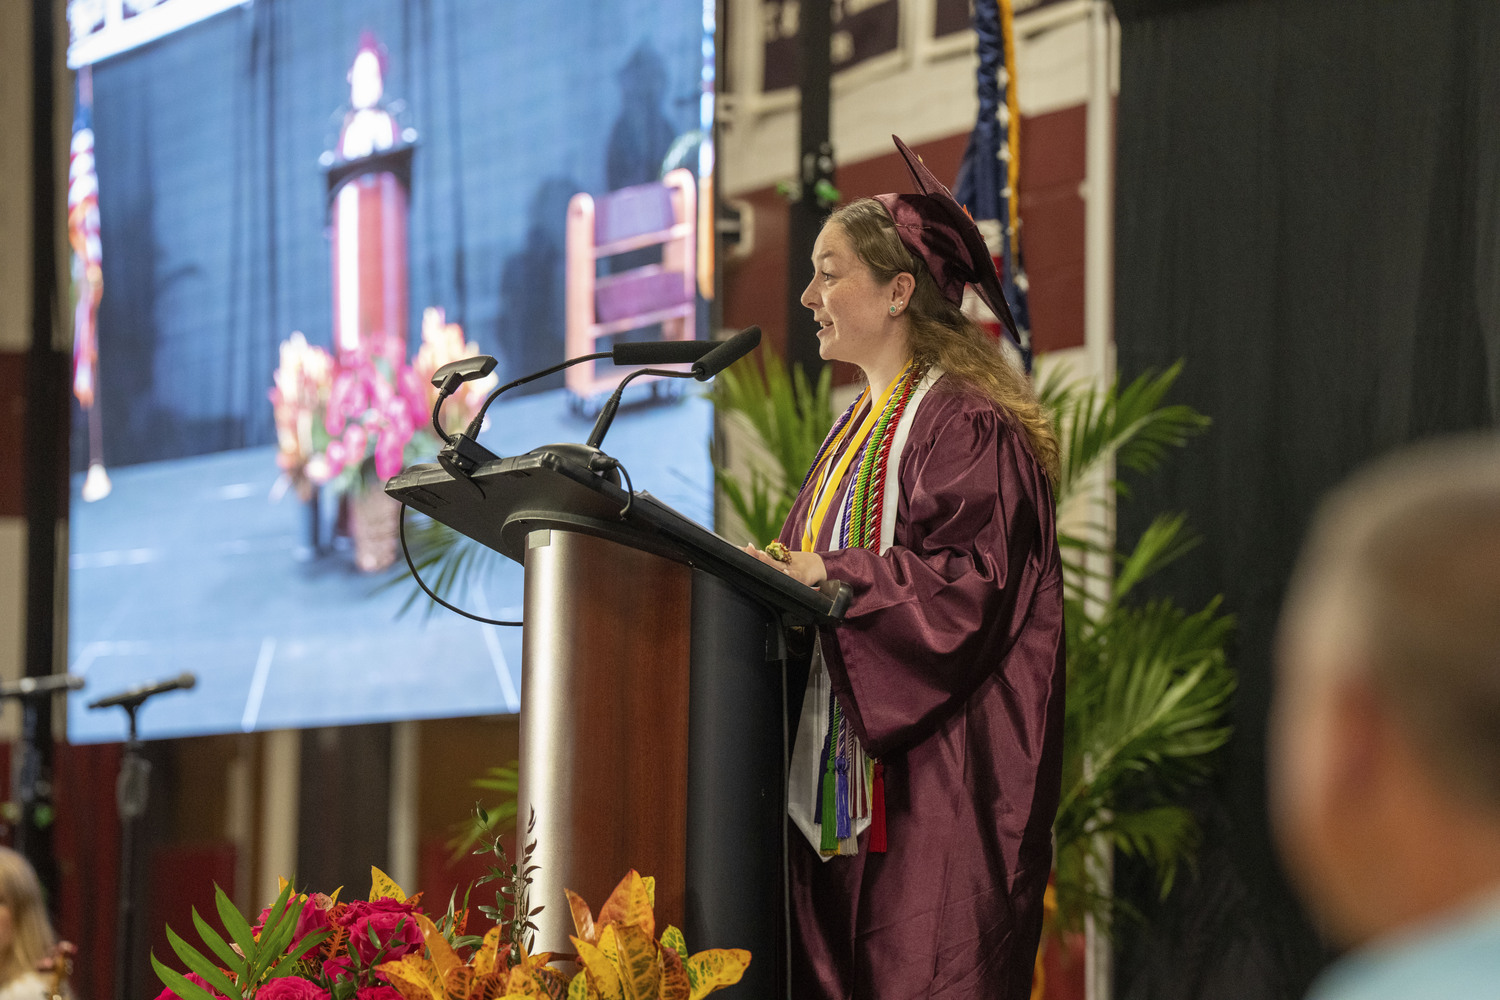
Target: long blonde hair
{"type": "Point", "coordinates": [33, 940]}
{"type": "Point", "coordinates": [941, 333]}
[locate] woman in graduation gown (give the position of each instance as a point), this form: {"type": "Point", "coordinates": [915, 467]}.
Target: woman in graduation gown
{"type": "Point", "coordinates": [927, 756]}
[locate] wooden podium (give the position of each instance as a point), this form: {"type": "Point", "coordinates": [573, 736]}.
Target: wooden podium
{"type": "Point", "coordinates": [653, 720]}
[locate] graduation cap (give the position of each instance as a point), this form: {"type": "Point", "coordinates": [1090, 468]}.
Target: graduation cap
{"type": "Point", "coordinates": [935, 227]}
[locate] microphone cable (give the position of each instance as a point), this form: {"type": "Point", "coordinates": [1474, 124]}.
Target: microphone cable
{"type": "Point", "coordinates": [411, 565]}
{"type": "Point", "coordinates": [412, 568]}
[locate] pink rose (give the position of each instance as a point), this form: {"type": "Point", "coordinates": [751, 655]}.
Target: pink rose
{"type": "Point", "coordinates": [291, 988]}
{"type": "Point", "coordinates": [393, 926]}
{"type": "Point", "coordinates": [192, 977]}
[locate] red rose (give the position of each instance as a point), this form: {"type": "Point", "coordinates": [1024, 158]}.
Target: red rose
{"type": "Point", "coordinates": [393, 925]}
{"type": "Point", "coordinates": [192, 977]}
{"type": "Point", "coordinates": [313, 917]}
{"type": "Point", "coordinates": [291, 988]}
{"type": "Point", "coordinates": [379, 991]}
{"type": "Point", "coordinates": [338, 968]}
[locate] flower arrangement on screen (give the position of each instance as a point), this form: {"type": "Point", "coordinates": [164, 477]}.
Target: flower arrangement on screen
{"type": "Point", "coordinates": [315, 947]}
{"type": "Point", "coordinates": [358, 418]}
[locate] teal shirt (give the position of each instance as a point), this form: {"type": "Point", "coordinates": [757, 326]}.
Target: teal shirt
{"type": "Point", "coordinates": [1453, 958]}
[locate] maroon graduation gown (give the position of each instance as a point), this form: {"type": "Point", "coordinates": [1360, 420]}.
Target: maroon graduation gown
{"type": "Point", "coordinates": [950, 666]}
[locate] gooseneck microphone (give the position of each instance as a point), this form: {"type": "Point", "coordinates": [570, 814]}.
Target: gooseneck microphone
{"type": "Point", "coordinates": [462, 453]}
{"type": "Point", "coordinates": [136, 695]}
{"type": "Point", "coordinates": [40, 687]}
{"type": "Point", "coordinates": [726, 353]}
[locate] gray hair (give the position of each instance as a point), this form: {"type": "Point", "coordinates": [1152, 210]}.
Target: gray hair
{"type": "Point", "coordinates": [1413, 542]}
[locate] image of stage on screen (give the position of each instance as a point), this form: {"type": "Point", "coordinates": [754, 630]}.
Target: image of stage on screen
{"type": "Point", "coordinates": [285, 218]}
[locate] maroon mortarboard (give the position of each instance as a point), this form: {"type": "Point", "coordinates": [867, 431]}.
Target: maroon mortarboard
{"type": "Point", "coordinates": [935, 227]}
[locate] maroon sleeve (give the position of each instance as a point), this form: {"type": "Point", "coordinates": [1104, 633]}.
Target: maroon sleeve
{"type": "Point", "coordinates": [935, 615]}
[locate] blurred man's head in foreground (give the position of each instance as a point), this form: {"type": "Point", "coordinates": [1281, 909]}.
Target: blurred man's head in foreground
{"type": "Point", "coordinates": [1385, 742]}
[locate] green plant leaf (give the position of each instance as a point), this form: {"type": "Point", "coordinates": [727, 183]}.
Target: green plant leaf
{"type": "Point", "coordinates": [235, 923]}
{"type": "Point", "coordinates": [672, 938]}
{"type": "Point", "coordinates": [197, 962]}
{"type": "Point", "coordinates": [307, 944]}
{"type": "Point", "coordinates": [182, 985]}
{"type": "Point", "coordinates": [275, 935]}
{"type": "Point", "coordinates": [216, 943]}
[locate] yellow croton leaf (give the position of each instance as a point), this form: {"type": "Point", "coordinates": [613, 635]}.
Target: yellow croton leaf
{"type": "Point", "coordinates": [716, 968]}
{"type": "Point", "coordinates": [609, 943]}
{"type": "Point", "coordinates": [487, 959]}
{"type": "Point", "coordinates": [414, 977]}
{"type": "Point", "coordinates": [578, 989]}
{"type": "Point", "coordinates": [603, 979]}
{"type": "Point", "coordinates": [638, 961]}
{"type": "Point", "coordinates": [631, 904]}
{"type": "Point", "coordinates": [672, 938]}
{"type": "Point", "coordinates": [382, 886]}
{"type": "Point", "coordinates": [583, 918]}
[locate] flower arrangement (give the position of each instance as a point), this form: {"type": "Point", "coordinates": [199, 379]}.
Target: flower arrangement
{"type": "Point", "coordinates": [298, 399]}
{"type": "Point", "coordinates": [360, 417]}
{"type": "Point", "coordinates": [314, 947]}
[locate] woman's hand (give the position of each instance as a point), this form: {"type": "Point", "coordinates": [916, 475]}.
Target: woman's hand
{"type": "Point", "coordinates": [804, 567]}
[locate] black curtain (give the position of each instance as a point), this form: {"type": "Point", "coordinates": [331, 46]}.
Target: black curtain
{"type": "Point", "coordinates": [1309, 214]}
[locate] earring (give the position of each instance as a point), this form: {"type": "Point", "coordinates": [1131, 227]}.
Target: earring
{"type": "Point", "coordinates": [893, 310]}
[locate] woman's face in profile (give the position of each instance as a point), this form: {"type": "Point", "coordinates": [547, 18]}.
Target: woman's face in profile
{"type": "Point", "coordinates": [852, 308]}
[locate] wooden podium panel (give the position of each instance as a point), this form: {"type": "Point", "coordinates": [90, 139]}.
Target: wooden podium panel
{"type": "Point", "coordinates": [604, 743]}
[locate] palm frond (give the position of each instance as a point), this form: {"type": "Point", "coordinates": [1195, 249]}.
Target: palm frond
{"type": "Point", "coordinates": [789, 414]}
{"type": "Point", "coordinates": [1130, 426]}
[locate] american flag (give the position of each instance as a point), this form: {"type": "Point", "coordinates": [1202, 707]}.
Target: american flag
{"type": "Point", "coordinates": [83, 235]}
{"type": "Point", "coordinates": [987, 179]}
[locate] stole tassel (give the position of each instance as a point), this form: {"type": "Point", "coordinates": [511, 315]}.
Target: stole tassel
{"type": "Point", "coordinates": [828, 825]}
{"type": "Point", "coordinates": [841, 800]}
{"type": "Point", "coordinates": [877, 810]}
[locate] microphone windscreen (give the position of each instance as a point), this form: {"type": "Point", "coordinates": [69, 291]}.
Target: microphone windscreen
{"type": "Point", "coordinates": [661, 352]}
{"type": "Point", "coordinates": [727, 353]}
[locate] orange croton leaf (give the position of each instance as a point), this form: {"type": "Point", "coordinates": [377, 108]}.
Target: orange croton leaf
{"type": "Point", "coordinates": [631, 904]}
{"type": "Point", "coordinates": [674, 978]}
{"type": "Point", "coordinates": [458, 982]}
{"type": "Point", "coordinates": [537, 981]}
{"type": "Point", "coordinates": [583, 918]}
{"type": "Point", "coordinates": [489, 987]}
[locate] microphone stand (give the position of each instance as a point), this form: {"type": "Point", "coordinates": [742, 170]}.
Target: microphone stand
{"type": "Point", "coordinates": [131, 790]}
{"type": "Point", "coordinates": [33, 770]}
{"type": "Point", "coordinates": [33, 783]}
